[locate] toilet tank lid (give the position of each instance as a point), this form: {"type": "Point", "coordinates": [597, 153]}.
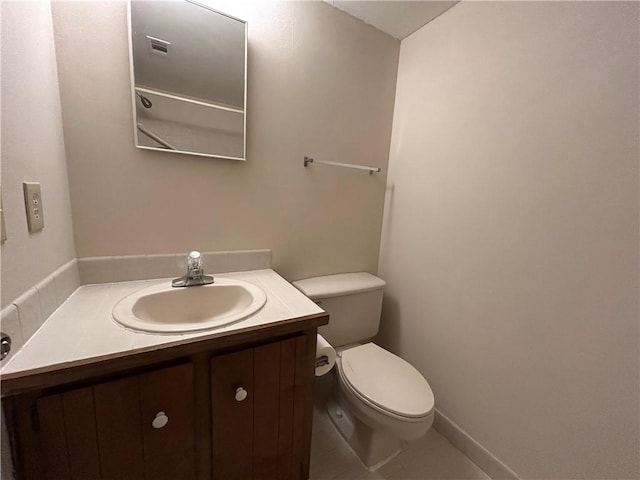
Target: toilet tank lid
{"type": "Point", "coordinates": [339, 284]}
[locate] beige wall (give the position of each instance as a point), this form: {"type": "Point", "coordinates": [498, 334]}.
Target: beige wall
{"type": "Point", "coordinates": [511, 230]}
{"type": "Point", "coordinates": [32, 148]}
{"type": "Point", "coordinates": [321, 84]}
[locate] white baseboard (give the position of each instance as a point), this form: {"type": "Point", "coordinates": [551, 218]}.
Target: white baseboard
{"type": "Point", "coordinates": [479, 455]}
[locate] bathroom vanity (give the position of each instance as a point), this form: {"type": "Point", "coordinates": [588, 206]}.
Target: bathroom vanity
{"type": "Point", "coordinates": [89, 399]}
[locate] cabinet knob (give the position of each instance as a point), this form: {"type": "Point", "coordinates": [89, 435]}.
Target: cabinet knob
{"type": "Point", "coordinates": [241, 394]}
{"type": "Point", "coordinates": [160, 421]}
{"type": "Point", "coordinates": [6, 345]}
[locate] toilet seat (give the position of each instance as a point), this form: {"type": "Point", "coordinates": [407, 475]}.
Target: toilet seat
{"type": "Point", "coordinates": [386, 382]}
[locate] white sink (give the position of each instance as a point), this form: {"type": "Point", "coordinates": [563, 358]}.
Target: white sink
{"type": "Point", "coordinates": [167, 309]}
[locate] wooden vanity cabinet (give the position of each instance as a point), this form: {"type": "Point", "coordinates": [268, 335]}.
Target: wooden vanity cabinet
{"type": "Point", "coordinates": [240, 412]}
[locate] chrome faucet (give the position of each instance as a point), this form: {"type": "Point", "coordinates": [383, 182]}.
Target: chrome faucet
{"type": "Point", "coordinates": [195, 274]}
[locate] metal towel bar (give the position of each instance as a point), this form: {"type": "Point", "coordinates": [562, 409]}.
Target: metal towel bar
{"type": "Point", "coordinates": [371, 170]}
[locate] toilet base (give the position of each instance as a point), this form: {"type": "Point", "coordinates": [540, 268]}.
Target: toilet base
{"type": "Point", "coordinates": [374, 449]}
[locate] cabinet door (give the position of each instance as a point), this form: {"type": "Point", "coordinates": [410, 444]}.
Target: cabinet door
{"type": "Point", "coordinates": [232, 419]}
{"type": "Point", "coordinates": [118, 424]}
{"type": "Point", "coordinates": [265, 435]}
{"type": "Point", "coordinates": [106, 432]}
{"type": "Point", "coordinates": [169, 451]}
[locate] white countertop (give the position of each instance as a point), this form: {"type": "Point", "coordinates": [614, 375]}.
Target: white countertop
{"type": "Point", "coordinates": [82, 328]}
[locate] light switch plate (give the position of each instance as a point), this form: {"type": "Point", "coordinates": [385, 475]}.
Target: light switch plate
{"type": "Point", "coordinates": [33, 204]}
{"type": "Point", "coordinates": [3, 237]}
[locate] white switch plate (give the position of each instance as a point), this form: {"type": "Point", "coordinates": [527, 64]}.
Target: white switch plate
{"type": "Point", "coordinates": [33, 204]}
{"type": "Point", "coordinates": [3, 229]}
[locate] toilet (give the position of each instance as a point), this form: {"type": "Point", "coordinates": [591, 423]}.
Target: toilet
{"type": "Point", "coordinates": [379, 402]}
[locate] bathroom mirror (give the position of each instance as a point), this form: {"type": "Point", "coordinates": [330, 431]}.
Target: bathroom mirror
{"type": "Point", "coordinates": [188, 78]}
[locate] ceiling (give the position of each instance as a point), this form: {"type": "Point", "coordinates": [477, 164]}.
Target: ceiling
{"type": "Point", "coordinates": [399, 19]}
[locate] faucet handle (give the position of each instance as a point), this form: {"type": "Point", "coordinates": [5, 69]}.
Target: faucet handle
{"type": "Point", "coordinates": [195, 274]}
{"type": "Point", "coordinates": [194, 260]}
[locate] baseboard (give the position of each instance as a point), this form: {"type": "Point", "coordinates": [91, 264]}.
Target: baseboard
{"type": "Point", "coordinates": [472, 449]}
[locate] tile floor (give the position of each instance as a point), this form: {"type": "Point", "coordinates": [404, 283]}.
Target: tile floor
{"type": "Point", "coordinates": [431, 457]}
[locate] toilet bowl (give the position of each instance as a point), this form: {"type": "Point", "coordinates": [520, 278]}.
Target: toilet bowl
{"type": "Point", "coordinates": [379, 402]}
{"type": "Point", "coordinates": [385, 391]}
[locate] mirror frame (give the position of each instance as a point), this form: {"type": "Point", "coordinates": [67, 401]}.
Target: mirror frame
{"type": "Point", "coordinates": [133, 87]}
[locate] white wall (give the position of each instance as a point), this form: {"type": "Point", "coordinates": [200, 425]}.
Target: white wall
{"type": "Point", "coordinates": [321, 84]}
{"type": "Point", "coordinates": [510, 242]}
{"type": "Point", "coordinates": [32, 148]}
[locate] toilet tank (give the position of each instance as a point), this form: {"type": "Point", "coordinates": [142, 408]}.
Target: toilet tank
{"type": "Point", "coordinates": [353, 301]}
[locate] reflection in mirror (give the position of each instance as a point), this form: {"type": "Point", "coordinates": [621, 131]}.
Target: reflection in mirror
{"type": "Point", "coordinates": [188, 71]}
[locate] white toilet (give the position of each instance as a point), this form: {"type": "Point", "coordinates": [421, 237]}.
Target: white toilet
{"type": "Point", "coordinates": [380, 401]}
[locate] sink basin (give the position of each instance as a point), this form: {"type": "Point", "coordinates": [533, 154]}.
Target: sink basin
{"type": "Point", "coordinates": [167, 309]}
